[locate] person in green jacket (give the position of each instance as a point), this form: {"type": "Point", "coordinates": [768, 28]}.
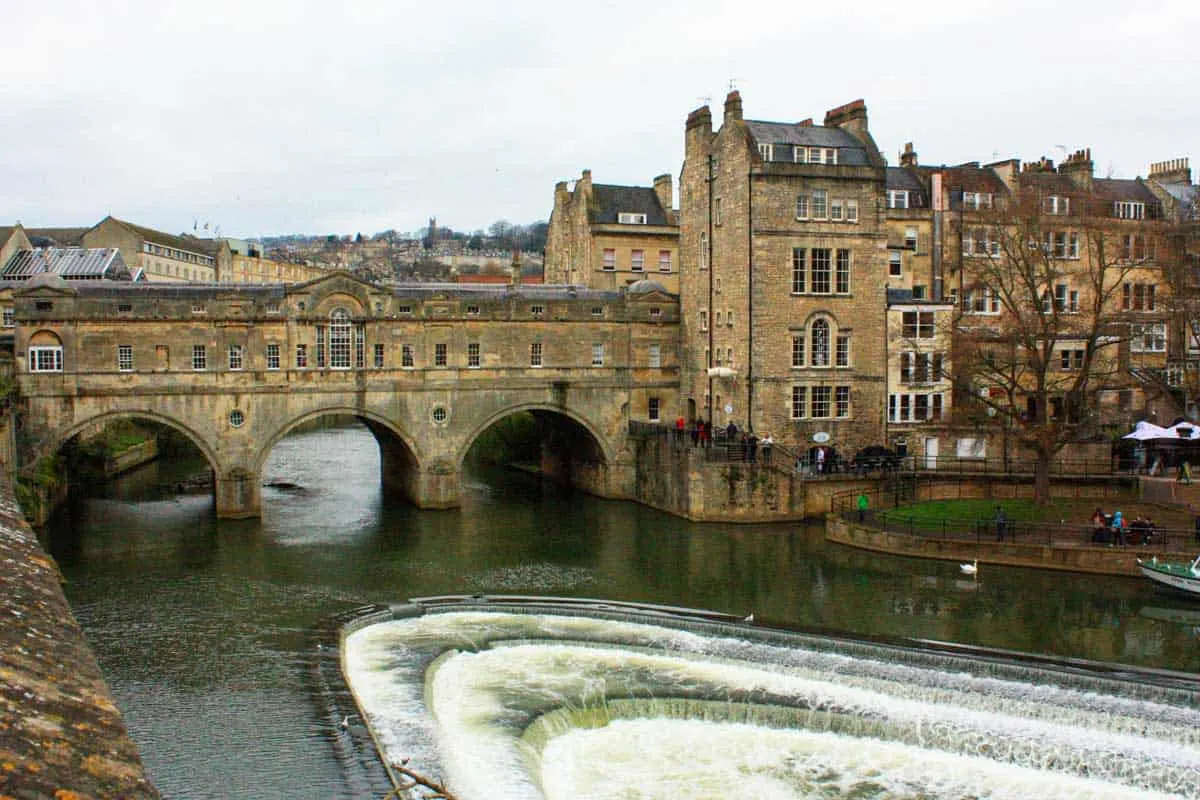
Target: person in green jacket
{"type": "Point", "coordinates": [862, 507]}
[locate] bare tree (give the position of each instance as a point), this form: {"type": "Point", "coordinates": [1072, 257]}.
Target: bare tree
{"type": "Point", "coordinates": [1045, 309]}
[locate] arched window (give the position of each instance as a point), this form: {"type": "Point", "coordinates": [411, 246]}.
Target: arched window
{"type": "Point", "coordinates": [45, 352]}
{"type": "Point", "coordinates": [819, 339]}
{"type": "Point", "coordinates": [339, 339]}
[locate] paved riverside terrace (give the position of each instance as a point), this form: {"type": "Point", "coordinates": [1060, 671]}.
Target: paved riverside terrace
{"type": "Point", "coordinates": [61, 735]}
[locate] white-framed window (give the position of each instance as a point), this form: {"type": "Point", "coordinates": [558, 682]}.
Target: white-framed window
{"type": "Point", "coordinates": [704, 250]}
{"type": "Point", "coordinates": [910, 238]}
{"type": "Point", "coordinates": [820, 270]}
{"type": "Point", "coordinates": [918, 407]}
{"type": "Point", "coordinates": [1061, 244]}
{"type": "Point", "coordinates": [841, 275]}
{"type": "Point", "coordinates": [897, 198]}
{"type": "Point", "coordinates": [918, 324]}
{"type": "Point", "coordinates": [802, 205]}
{"type": "Point", "coordinates": [851, 211]}
{"type": "Point", "coordinates": [655, 356]}
{"type": "Point", "coordinates": [597, 311]}
{"type": "Point", "coordinates": [653, 409]}
{"type": "Point", "coordinates": [125, 357]}
{"type": "Point", "coordinates": [1133, 247]}
{"type": "Point", "coordinates": [273, 355]}
{"type": "Point", "coordinates": [841, 352]}
{"type": "Point", "coordinates": [655, 312]}
{"type": "Point", "coordinates": [379, 353]}
{"type": "Point", "coordinates": [976, 201]}
{"type": "Point", "coordinates": [729, 318]}
{"type": "Point", "coordinates": [798, 349]}
{"type": "Point", "coordinates": [235, 356]}
{"type": "Point", "coordinates": [340, 335]}
{"type": "Point", "coordinates": [406, 356]}
{"type": "Point", "coordinates": [473, 355]}
{"type": "Point", "coordinates": [1071, 360]}
{"type": "Point", "coordinates": [1056, 205]}
{"type": "Point", "coordinates": [978, 242]}
{"type": "Point", "coordinates": [1151, 338]}
{"type": "Point", "coordinates": [1124, 209]}
{"type": "Point", "coordinates": [441, 354]}
{"type": "Point", "coordinates": [9, 319]}
{"type": "Point", "coordinates": [819, 338]}
{"type": "Point", "coordinates": [664, 260]}
{"type": "Point", "coordinates": [597, 354]}
{"type": "Point", "coordinates": [820, 204]}
{"type": "Point", "coordinates": [1138, 297]}
{"type": "Point", "coordinates": [703, 320]}
{"type": "Point", "coordinates": [767, 151]}
{"type": "Point", "coordinates": [836, 210]}
{"type": "Point", "coordinates": [46, 358]}
{"type": "Point", "coordinates": [472, 311]}
{"type": "Point", "coordinates": [630, 218]}
{"type": "Point", "coordinates": [819, 406]}
{"type": "Point", "coordinates": [841, 401]}
{"type": "Point", "coordinates": [609, 261]}
{"type": "Point", "coordinates": [799, 402]}
{"type": "Point", "coordinates": [199, 357]}
{"type": "Point", "coordinates": [537, 311]}
{"type": "Point", "coordinates": [980, 300]}
{"type": "Point", "coordinates": [895, 264]}
{"type": "Point", "coordinates": [301, 356]}
{"type": "Point", "coordinates": [799, 270]}
{"type": "Point", "coordinates": [535, 354]}
{"type": "Point", "coordinates": [637, 260]}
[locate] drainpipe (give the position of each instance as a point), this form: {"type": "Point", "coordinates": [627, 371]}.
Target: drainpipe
{"type": "Point", "coordinates": [750, 303]}
{"type": "Point", "coordinates": [711, 267]}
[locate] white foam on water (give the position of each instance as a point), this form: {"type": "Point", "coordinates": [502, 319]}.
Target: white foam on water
{"type": "Point", "coordinates": [671, 759]}
{"type": "Point", "coordinates": [498, 673]}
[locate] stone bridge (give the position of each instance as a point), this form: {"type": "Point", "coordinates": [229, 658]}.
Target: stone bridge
{"type": "Point", "coordinates": [427, 368]}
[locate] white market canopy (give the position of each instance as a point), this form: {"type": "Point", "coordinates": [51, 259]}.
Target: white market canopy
{"type": "Point", "coordinates": [1179, 432]}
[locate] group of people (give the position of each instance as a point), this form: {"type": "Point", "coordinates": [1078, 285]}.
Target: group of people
{"type": "Point", "coordinates": [1115, 529]}
{"type": "Point", "coordinates": [750, 446]}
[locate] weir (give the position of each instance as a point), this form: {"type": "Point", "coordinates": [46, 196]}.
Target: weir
{"type": "Point", "coordinates": [511, 697]}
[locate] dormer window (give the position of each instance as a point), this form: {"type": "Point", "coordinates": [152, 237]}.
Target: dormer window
{"type": "Point", "coordinates": [974, 201]}
{"type": "Point", "coordinates": [767, 151]}
{"type": "Point", "coordinates": [897, 198]}
{"type": "Point", "coordinates": [1056, 205]}
{"type": "Point", "coordinates": [1123, 209]}
{"type": "Point", "coordinates": [815, 155]}
{"type": "Point", "coordinates": [629, 218]}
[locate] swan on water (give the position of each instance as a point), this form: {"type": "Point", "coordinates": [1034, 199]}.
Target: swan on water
{"type": "Point", "coordinates": [970, 569]}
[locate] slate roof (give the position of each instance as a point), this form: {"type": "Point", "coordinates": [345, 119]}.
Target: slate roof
{"type": "Point", "coordinates": [608, 201]}
{"type": "Point", "coordinates": [972, 178]}
{"type": "Point", "coordinates": [1123, 189]}
{"type": "Point", "coordinates": [192, 244]}
{"type": "Point", "coordinates": [904, 179]}
{"type": "Point", "coordinates": [1052, 183]}
{"type": "Point", "coordinates": [71, 263]}
{"type": "Point", "coordinates": [56, 237]}
{"type": "Point", "coordinates": [850, 150]}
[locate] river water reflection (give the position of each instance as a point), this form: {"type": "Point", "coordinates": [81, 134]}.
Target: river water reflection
{"type": "Point", "coordinates": [202, 625]}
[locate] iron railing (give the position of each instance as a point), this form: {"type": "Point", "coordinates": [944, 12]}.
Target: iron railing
{"type": "Point", "coordinates": [885, 510]}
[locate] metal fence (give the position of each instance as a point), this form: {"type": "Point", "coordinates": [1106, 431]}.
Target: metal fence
{"type": "Point", "coordinates": [885, 510]}
{"type": "Point", "coordinates": [718, 446]}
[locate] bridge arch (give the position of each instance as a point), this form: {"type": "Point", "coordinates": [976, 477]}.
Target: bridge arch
{"type": "Point", "coordinates": [56, 440]}
{"type": "Point", "coordinates": [603, 447]}
{"type": "Point", "coordinates": [401, 461]}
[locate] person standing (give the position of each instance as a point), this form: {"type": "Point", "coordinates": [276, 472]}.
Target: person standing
{"type": "Point", "coordinates": [766, 444]}
{"type": "Point", "coordinates": [751, 447]}
{"type": "Point", "coordinates": [862, 507]}
{"type": "Point", "coordinates": [1001, 520]}
{"type": "Point", "coordinates": [820, 460]}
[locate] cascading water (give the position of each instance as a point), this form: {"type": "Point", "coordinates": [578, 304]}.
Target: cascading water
{"type": "Point", "coordinates": [506, 704]}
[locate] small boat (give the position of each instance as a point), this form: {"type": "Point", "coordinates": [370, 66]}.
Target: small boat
{"type": "Point", "coordinates": [1184, 577]}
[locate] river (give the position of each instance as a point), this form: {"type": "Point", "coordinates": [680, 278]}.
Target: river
{"type": "Point", "coordinates": [203, 626]}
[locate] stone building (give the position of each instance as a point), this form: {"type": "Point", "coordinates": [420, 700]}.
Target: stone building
{"type": "Point", "coordinates": [605, 237]}
{"type": "Point", "coordinates": [784, 242]}
{"type": "Point", "coordinates": [161, 256]}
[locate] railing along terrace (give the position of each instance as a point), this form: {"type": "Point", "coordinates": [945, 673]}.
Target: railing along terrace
{"type": "Point", "coordinates": [886, 510]}
{"type": "Point", "coordinates": [718, 445]}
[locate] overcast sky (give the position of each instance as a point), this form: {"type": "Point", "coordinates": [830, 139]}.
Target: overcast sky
{"type": "Point", "coordinates": [271, 117]}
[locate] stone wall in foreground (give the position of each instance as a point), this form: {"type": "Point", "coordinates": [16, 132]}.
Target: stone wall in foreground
{"type": "Point", "coordinates": [61, 735]}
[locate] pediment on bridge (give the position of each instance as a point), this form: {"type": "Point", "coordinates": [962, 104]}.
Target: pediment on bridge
{"type": "Point", "coordinates": [652, 297]}
{"type": "Point", "coordinates": [338, 285]}
{"type": "Point", "coordinates": [46, 285]}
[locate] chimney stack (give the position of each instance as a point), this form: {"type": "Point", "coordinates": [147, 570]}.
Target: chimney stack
{"type": "Point", "coordinates": [1174, 170]}
{"type": "Point", "coordinates": [733, 106]}
{"type": "Point", "coordinates": [908, 158]}
{"type": "Point", "coordinates": [665, 193]}
{"type": "Point", "coordinates": [1078, 167]}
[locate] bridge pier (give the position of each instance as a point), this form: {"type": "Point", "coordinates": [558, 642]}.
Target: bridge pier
{"type": "Point", "coordinates": [238, 494]}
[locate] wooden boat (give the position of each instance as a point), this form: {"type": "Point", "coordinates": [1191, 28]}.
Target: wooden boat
{"type": "Point", "coordinates": [1184, 577]}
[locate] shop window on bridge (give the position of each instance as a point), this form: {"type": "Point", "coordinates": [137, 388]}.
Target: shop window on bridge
{"type": "Point", "coordinates": [46, 359]}
{"type": "Point", "coordinates": [378, 356]}
{"type": "Point", "coordinates": [301, 356]}
{"type": "Point", "coordinates": [235, 356]}
{"type": "Point", "coordinates": [273, 356]}
{"type": "Point", "coordinates": [199, 357]}
{"type": "Point", "coordinates": [320, 347]}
